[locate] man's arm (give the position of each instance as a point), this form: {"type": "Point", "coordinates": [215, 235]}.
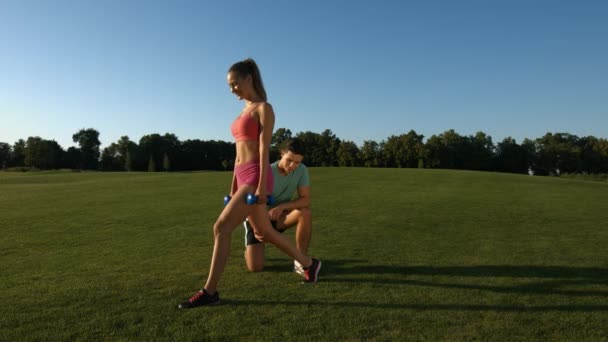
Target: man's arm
{"type": "Point", "coordinates": [303, 201]}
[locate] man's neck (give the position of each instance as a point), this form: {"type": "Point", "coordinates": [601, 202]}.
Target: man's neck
{"type": "Point", "coordinates": [281, 169]}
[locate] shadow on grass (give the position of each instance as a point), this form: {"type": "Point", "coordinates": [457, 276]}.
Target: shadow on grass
{"type": "Point", "coordinates": [538, 288]}
{"type": "Point", "coordinates": [507, 271]}
{"type": "Point", "coordinates": [549, 280]}
{"type": "Point", "coordinates": [360, 266]}
{"type": "Point", "coordinates": [428, 307]}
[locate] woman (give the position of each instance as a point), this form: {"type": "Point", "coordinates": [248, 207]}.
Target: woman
{"type": "Point", "coordinates": [252, 131]}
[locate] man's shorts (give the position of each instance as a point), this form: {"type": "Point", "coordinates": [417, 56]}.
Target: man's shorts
{"type": "Point", "coordinates": [250, 236]}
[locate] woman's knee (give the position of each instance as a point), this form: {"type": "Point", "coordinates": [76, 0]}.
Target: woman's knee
{"type": "Point", "coordinates": [220, 229]}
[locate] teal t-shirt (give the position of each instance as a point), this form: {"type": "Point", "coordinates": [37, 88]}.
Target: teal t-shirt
{"type": "Point", "coordinates": [286, 186]}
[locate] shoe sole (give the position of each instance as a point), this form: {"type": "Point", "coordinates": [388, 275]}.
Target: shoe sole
{"type": "Point", "coordinates": [194, 307]}
{"type": "Point", "coordinates": [298, 270]}
{"type": "Point", "coordinates": [317, 272]}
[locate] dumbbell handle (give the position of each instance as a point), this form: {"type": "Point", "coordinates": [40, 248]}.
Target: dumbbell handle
{"type": "Point", "coordinates": [250, 199]}
{"type": "Point", "coordinates": [253, 199]}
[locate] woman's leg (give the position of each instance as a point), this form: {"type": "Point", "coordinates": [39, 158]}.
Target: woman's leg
{"type": "Point", "coordinates": [233, 214]}
{"type": "Point", "coordinates": [263, 227]}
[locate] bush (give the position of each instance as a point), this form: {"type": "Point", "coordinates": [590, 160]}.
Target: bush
{"type": "Point", "coordinates": [17, 169]}
{"type": "Point", "coordinates": [600, 177]}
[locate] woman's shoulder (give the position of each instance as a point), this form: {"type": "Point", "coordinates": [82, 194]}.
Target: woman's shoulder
{"type": "Point", "coordinates": [265, 105]}
{"type": "Point", "coordinates": [264, 108]}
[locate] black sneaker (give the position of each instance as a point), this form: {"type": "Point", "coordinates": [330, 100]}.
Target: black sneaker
{"type": "Point", "coordinates": [202, 297]}
{"type": "Point", "coordinates": [311, 273]}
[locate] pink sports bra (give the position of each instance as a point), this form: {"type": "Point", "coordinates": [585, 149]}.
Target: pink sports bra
{"type": "Point", "coordinates": [245, 127]}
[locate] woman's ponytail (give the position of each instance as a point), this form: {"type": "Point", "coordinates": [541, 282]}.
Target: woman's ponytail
{"type": "Point", "coordinates": [249, 67]}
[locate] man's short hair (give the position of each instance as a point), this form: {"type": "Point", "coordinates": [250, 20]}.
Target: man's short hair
{"type": "Point", "coordinates": [293, 145]}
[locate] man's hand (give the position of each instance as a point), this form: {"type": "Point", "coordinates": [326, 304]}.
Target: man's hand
{"type": "Point", "coordinates": [276, 212]}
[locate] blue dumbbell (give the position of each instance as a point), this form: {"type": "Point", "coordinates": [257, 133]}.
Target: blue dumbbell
{"type": "Point", "coordinates": [250, 199]}
{"type": "Point", "coordinates": [253, 199]}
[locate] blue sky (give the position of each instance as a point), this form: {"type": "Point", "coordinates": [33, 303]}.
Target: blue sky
{"type": "Point", "coordinates": [364, 69]}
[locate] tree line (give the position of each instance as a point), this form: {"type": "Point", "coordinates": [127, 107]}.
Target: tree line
{"type": "Point", "coordinates": [554, 153]}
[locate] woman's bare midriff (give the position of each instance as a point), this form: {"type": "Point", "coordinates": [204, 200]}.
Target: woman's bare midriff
{"type": "Point", "coordinates": [247, 151]}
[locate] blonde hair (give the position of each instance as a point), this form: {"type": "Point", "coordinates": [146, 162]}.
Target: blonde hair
{"type": "Point", "coordinates": [249, 67]}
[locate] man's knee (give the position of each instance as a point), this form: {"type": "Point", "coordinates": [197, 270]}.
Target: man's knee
{"type": "Point", "coordinates": [305, 214]}
{"type": "Point", "coordinates": [254, 258]}
{"type": "Point", "coordinates": [255, 267]}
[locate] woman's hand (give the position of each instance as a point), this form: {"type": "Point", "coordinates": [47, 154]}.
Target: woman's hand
{"type": "Point", "coordinates": [262, 198]}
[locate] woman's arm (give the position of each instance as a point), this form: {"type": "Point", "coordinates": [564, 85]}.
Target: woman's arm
{"type": "Point", "coordinates": [266, 117]}
{"type": "Point", "coordinates": [233, 185]}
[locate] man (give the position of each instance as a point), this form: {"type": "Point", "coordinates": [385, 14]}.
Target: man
{"type": "Point", "coordinates": [290, 177]}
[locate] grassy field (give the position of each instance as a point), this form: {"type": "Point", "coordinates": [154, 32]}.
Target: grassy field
{"type": "Point", "coordinates": [407, 254]}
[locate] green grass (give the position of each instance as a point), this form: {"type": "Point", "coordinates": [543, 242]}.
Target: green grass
{"type": "Point", "coordinates": [407, 255]}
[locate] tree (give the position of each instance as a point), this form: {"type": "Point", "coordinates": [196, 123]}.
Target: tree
{"type": "Point", "coordinates": [128, 161]}
{"type": "Point", "coordinates": [112, 159]}
{"type": "Point", "coordinates": [5, 154]}
{"type": "Point", "coordinates": [215, 152]}
{"type": "Point", "coordinates": [34, 152]}
{"type": "Point", "coordinates": [550, 154]}
{"type": "Point", "coordinates": [404, 150]}
{"type": "Point", "coordinates": [127, 150]}
{"type": "Point", "coordinates": [369, 154]}
{"type": "Point", "coordinates": [71, 158]}
{"type": "Point", "coordinates": [510, 157]}
{"type": "Point", "coordinates": [205, 155]}
{"type": "Point", "coordinates": [155, 146]}
{"type": "Point", "coordinates": [600, 146]}
{"type": "Point", "coordinates": [150, 149]}
{"type": "Point", "coordinates": [557, 153]}
{"type": "Point", "coordinates": [478, 151]}
{"type": "Point", "coordinates": [446, 150]}
{"type": "Point", "coordinates": [18, 154]}
{"type": "Point", "coordinates": [278, 138]}
{"type": "Point", "coordinates": [43, 154]}
{"type": "Point", "coordinates": [191, 155]}
{"type": "Point", "coordinates": [529, 148]}
{"type": "Point", "coordinates": [88, 140]}
{"type": "Point", "coordinates": [117, 156]}
{"type": "Point", "coordinates": [329, 144]}
{"type": "Point", "coordinates": [314, 150]}
{"type": "Point", "coordinates": [170, 147]}
{"type": "Point", "coordinates": [348, 154]}
{"type": "Point", "coordinates": [594, 155]}
{"type": "Point", "coordinates": [151, 164]}
{"type": "Point", "coordinates": [166, 163]}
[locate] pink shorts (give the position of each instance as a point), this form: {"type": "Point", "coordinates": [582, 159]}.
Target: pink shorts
{"type": "Point", "coordinates": [249, 174]}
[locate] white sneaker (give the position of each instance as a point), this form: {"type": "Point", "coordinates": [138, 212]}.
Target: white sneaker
{"type": "Point", "coordinates": [297, 267]}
